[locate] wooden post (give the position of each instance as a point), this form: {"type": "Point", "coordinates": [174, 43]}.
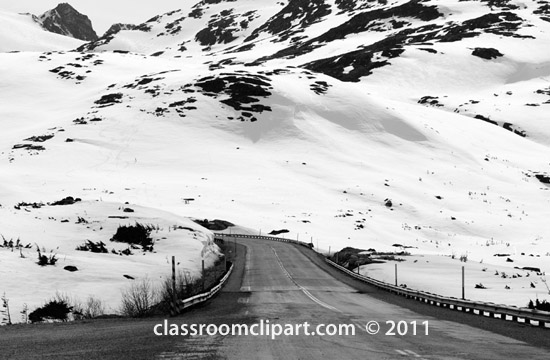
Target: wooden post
{"type": "Point", "coordinates": [203, 275]}
{"type": "Point", "coordinates": [395, 274]}
{"type": "Point", "coordinates": [463, 292]}
{"type": "Point", "coordinates": [174, 306]}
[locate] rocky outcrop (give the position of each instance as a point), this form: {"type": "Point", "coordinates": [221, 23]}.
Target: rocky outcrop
{"type": "Point", "coordinates": [65, 20]}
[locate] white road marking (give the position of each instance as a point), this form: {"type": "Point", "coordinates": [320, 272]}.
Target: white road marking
{"type": "Point", "coordinates": [412, 353]}
{"type": "Point", "coordinates": [409, 353]}
{"type": "Point", "coordinates": [307, 293]}
{"type": "Point", "coordinates": [360, 326]}
{"type": "Point", "coordinates": [247, 264]}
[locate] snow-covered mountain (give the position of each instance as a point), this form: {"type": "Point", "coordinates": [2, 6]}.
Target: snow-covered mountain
{"type": "Point", "coordinates": [62, 28]}
{"type": "Point", "coordinates": [22, 32]}
{"type": "Point", "coordinates": [348, 122]}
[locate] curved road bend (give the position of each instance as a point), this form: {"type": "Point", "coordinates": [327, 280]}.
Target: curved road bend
{"type": "Point", "coordinates": [286, 284]}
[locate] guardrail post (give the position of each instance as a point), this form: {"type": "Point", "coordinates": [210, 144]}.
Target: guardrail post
{"type": "Point", "coordinates": [395, 274]}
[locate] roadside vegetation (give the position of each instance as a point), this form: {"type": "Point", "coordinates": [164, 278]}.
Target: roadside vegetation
{"type": "Point", "coordinates": [351, 258]}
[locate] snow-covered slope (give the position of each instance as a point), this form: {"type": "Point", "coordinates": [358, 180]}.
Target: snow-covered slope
{"type": "Point", "coordinates": [349, 123]}
{"type": "Point", "coordinates": [20, 32]}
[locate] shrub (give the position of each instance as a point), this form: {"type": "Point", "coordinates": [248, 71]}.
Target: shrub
{"type": "Point", "coordinates": [94, 307]}
{"type": "Point", "coordinates": [95, 247]}
{"type": "Point", "coordinates": [5, 311]}
{"type": "Point", "coordinates": [53, 310]}
{"type": "Point", "coordinates": [44, 260]}
{"type": "Point", "coordinates": [137, 234]}
{"type": "Point", "coordinates": [186, 286]}
{"type": "Point", "coordinates": [539, 305]}
{"type": "Point", "coordinates": [139, 299]}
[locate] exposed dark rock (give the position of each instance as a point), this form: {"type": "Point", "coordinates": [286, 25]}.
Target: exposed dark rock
{"type": "Point", "coordinates": [277, 232]}
{"type": "Point", "coordinates": [71, 268]}
{"type": "Point", "coordinates": [320, 87]}
{"type": "Point", "coordinates": [486, 119]}
{"type": "Point", "coordinates": [116, 28]}
{"type": "Point", "coordinates": [529, 268]}
{"type": "Point", "coordinates": [487, 53]}
{"type": "Point", "coordinates": [243, 90]}
{"type": "Point", "coordinates": [430, 100]}
{"type": "Point", "coordinates": [110, 99]}
{"type": "Point", "coordinates": [362, 22]}
{"type": "Point", "coordinates": [543, 178]}
{"type": "Point", "coordinates": [282, 24]}
{"type": "Point", "coordinates": [65, 20]}
{"type": "Point", "coordinates": [504, 23]}
{"type": "Point", "coordinates": [502, 4]}
{"type": "Point", "coordinates": [29, 147]}
{"type": "Point", "coordinates": [69, 200]}
{"type": "Point", "coordinates": [40, 138]}
{"type": "Point", "coordinates": [31, 205]}
{"type": "Point", "coordinates": [215, 225]}
{"type": "Point", "coordinates": [356, 64]}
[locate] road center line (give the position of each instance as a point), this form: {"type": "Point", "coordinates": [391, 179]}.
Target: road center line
{"type": "Point", "coordinates": [304, 290]}
{"type": "Point", "coordinates": [247, 264]}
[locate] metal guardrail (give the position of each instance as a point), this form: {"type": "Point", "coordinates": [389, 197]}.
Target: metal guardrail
{"type": "Point", "coordinates": [262, 237]}
{"type": "Point", "coordinates": [505, 312]}
{"type": "Point", "coordinates": [197, 299]}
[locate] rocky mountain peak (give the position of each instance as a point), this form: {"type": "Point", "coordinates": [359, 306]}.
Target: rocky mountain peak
{"type": "Point", "coordinates": [65, 20]}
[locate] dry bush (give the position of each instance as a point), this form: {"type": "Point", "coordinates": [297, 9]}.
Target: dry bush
{"type": "Point", "coordinates": [139, 299]}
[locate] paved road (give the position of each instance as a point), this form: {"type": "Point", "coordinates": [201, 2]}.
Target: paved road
{"type": "Point", "coordinates": [285, 284]}
{"type": "Point", "coordinates": [282, 285]}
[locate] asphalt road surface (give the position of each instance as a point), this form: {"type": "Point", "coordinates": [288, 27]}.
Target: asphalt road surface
{"type": "Point", "coordinates": [285, 284]}
{"type": "Point", "coordinates": [285, 287]}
